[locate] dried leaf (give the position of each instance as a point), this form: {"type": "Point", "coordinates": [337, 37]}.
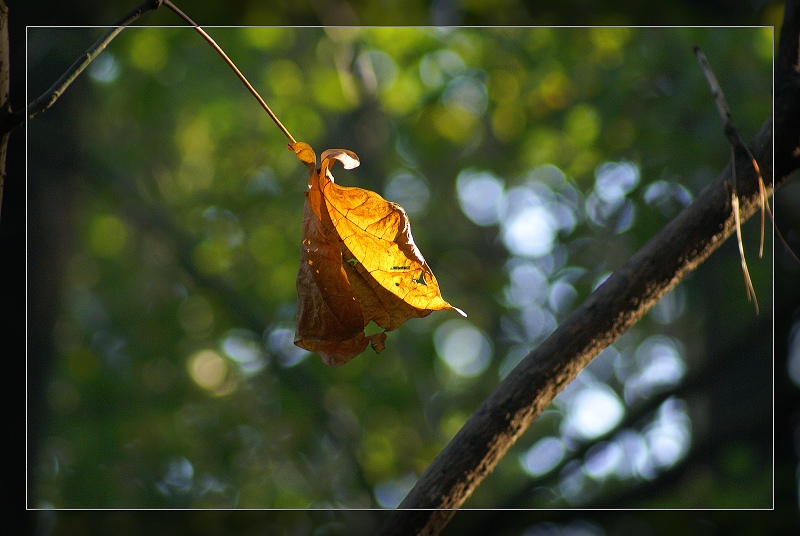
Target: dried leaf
{"type": "Point", "coordinates": [358, 263]}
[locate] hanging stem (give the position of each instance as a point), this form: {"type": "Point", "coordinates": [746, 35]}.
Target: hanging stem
{"type": "Point", "coordinates": [49, 97]}
{"type": "Point", "coordinates": [748, 283]}
{"type": "Point", "coordinates": [230, 63]}
{"type": "Point", "coordinates": [737, 144]}
{"type": "Point", "coordinates": [732, 133]}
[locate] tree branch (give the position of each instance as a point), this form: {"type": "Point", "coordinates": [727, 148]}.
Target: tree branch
{"type": "Point", "coordinates": [5, 102]}
{"type": "Point", "coordinates": [737, 145]}
{"type": "Point", "coordinates": [787, 89]}
{"type": "Point", "coordinates": [722, 358]}
{"type": "Point", "coordinates": [49, 97]}
{"type": "Point", "coordinates": [615, 306]}
{"type": "Point", "coordinates": [10, 120]}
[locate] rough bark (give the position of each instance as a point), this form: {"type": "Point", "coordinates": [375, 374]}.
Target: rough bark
{"type": "Point", "coordinates": [5, 103]}
{"type": "Point", "coordinates": [615, 306]}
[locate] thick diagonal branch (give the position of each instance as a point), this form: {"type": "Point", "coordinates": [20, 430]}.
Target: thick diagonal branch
{"type": "Point", "coordinates": [614, 307]}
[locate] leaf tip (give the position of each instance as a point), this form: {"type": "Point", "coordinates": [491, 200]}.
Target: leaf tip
{"type": "Point", "coordinates": [349, 162]}
{"type": "Point", "coordinates": [349, 159]}
{"type": "Point", "coordinates": [459, 311]}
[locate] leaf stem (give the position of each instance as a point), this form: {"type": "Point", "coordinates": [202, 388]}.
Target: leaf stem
{"type": "Point", "coordinates": [732, 133]}
{"type": "Point", "coordinates": [230, 63]}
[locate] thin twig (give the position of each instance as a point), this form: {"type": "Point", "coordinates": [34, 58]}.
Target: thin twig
{"type": "Point", "coordinates": [748, 283]}
{"type": "Point", "coordinates": [219, 50]}
{"type": "Point", "coordinates": [12, 120]}
{"type": "Point", "coordinates": [732, 133]}
{"type": "Point", "coordinates": [5, 81]}
{"type": "Point", "coordinates": [779, 235]}
{"type": "Point", "coordinates": [49, 97]}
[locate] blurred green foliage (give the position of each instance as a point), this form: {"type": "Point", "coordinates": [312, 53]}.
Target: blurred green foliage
{"type": "Point", "coordinates": [429, 12]}
{"type": "Point", "coordinates": [175, 382]}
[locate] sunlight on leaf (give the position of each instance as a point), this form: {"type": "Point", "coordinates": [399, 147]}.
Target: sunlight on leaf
{"type": "Point", "coordinates": [358, 263]}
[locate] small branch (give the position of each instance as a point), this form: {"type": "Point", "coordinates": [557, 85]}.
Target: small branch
{"type": "Point", "coordinates": [787, 87]}
{"type": "Point", "coordinates": [719, 98]}
{"type": "Point", "coordinates": [730, 129]}
{"type": "Point", "coordinates": [236, 70]}
{"type": "Point", "coordinates": [49, 97]}
{"type": "Point", "coordinates": [46, 100]}
{"type": "Point", "coordinates": [5, 103]}
{"type": "Point", "coordinates": [737, 144]}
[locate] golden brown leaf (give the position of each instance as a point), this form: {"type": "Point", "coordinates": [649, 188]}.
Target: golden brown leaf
{"type": "Point", "coordinates": [358, 263]}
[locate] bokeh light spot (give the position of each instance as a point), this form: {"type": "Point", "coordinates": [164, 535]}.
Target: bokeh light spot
{"type": "Point", "coordinates": [437, 67]}
{"type": "Point", "coordinates": [108, 235]}
{"type": "Point", "coordinates": [389, 493]}
{"type": "Point", "coordinates": [556, 89]}
{"type": "Point", "coordinates": [245, 348]}
{"type": "Point", "coordinates": [466, 93]}
{"type": "Point", "coordinates": [280, 340]}
{"type": "Point", "coordinates": [613, 180]}
{"type": "Point", "coordinates": [603, 459]}
{"type": "Point", "coordinates": [464, 348]}
{"type": "Point", "coordinates": [593, 411]}
{"type": "Point", "coordinates": [209, 370]}
{"type": "Point", "coordinates": [148, 50]}
{"type": "Point", "coordinates": [543, 456]}
{"type": "Point", "coordinates": [669, 436]}
{"type": "Point", "coordinates": [105, 68]}
{"type": "Point", "coordinates": [480, 194]}
{"type": "Point", "coordinates": [530, 232]}
{"type": "Point", "coordinates": [409, 191]}
{"type": "Point", "coordinates": [660, 366]}
{"type": "Point", "coordinates": [582, 124]}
